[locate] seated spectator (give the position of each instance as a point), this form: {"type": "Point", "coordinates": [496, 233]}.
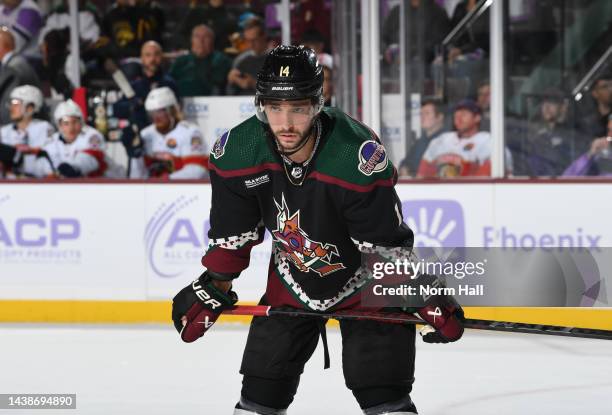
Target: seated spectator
{"type": "Point", "coordinates": [24, 19]}
{"type": "Point", "coordinates": [14, 71]}
{"type": "Point", "coordinates": [463, 152]}
{"type": "Point", "coordinates": [547, 150]}
{"type": "Point", "coordinates": [126, 27]}
{"type": "Point", "coordinates": [595, 123]}
{"type": "Point", "coordinates": [204, 70]}
{"type": "Point", "coordinates": [22, 140]}
{"type": "Point", "coordinates": [432, 125]}
{"type": "Point", "coordinates": [76, 150]}
{"type": "Point", "coordinates": [152, 76]}
{"type": "Point", "coordinates": [597, 161]}
{"type": "Point", "coordinates": [54, 44]}
{"type": "Point", "coordinates": [435, 23]}
{"type": "Point", "coordinates": [214, 15]}
{"type": "Point", "coordinates": [483, 99]}
{"type": "Point", "coordinates": [169, 147]}
{"type": "Point", "coordinates": [241, 79]}
{"type": "Point", "coordinates": [311, 16]}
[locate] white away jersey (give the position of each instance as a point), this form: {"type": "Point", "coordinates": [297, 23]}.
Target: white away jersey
{"type": "Point", "coordinates": [181, 152]}
{"type": "Point", "coordinates": [85, 153]}
{"type": "Point", "coordinates": [37, 134]}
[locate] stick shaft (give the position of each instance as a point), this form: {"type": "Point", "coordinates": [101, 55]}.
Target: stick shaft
{"type": "Point", "coordinates": [400, 318]}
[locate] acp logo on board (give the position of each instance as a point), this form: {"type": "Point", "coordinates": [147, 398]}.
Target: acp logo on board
{"type": "Point", "coordinates": [37, 239]}
{"type": "Point", "coordinates": [176, 236]}
{"type": "Point", "coordinates": [435, 223]}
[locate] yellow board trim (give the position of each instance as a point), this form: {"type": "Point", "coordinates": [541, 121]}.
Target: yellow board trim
{"type": "Point", "coordinates": [131, 312]}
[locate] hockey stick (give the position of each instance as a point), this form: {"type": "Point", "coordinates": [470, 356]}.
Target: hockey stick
{"type": "Point", "coordinates": [400, 318]}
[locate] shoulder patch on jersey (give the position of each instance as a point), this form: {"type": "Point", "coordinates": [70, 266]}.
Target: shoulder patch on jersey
{"type": "Point", "coordinates": [219, 147]}
{"type": "Point", "coordinates": [95, 141]}
{"type": "Point", "coordinates": [196, 143]}
{"type": "Point", "coordinates": [171, 142]}
{"type": "Point", "coordinates": [372, 158]}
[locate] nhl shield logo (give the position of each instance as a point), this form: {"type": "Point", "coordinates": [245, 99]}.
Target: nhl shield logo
{"type": "Point", "coordinates": [295, 245]}
{"type": "Point", "coordinates": [219, 148]}
{"type": "Point", "coordinates": [372, 158]}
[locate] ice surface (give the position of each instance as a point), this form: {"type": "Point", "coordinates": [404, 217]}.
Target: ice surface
{"type": "Point", "coordinates": [147, 370]}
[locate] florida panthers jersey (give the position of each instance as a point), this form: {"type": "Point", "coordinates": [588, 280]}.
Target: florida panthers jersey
{"type": "Point", "coordinates": [29, 141]}
{"type": "Point", "coordinates": [448, 155]}
{"type": "Point", "coordinates": [85, 153]}
{"type": "Point", "coordinates": [179, 154]}
{"type": "Point", "coordinates": [345, 203]}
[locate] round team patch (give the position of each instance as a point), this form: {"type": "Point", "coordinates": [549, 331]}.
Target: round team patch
{"type": "Point", "coordinates": [219, 147]}
{"type": "Point", "coordinates": [196, 143]}
{"type": "Point", "coordinates": [171, 143]}
{"type": "Point", "coordinates": [95, 141]}
{"type": "Point", "coordinates": [372, 158]}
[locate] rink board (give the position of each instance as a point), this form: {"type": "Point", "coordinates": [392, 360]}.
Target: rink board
{"type": "Point", "coordinates": [117, 252]}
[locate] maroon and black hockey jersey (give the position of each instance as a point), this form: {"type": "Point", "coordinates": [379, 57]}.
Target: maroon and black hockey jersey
{"type": "Point", "coordinates": [345, 203]}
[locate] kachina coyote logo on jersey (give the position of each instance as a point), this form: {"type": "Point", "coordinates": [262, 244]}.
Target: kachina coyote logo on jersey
{"type": "Point", "coordinates": [307, 255]}
{"type": "Point", "coordinates": [219, 147]}
{"type": "Point", "coordinates": [372, 158]}
{"type": "Point", "coordinates": [435, 223]}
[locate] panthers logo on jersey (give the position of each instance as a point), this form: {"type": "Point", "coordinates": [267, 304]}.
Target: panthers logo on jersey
{"type": "Point", "coordinates": [295, 245]}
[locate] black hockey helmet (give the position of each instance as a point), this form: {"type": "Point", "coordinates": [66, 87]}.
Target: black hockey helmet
{"type": "Point", "coordinates": [289, 73]}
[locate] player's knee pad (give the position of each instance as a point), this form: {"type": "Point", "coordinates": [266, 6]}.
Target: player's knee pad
{"type": "Point", "coordinates": [246, 407]}
{"type": "Point", "coordinates": [269, 393]}
{"type": "Point", "coordinates": [385, 400]}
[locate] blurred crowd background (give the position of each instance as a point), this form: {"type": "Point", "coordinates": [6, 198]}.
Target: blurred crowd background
{"type": "Point", "coordinates": [557, 86]}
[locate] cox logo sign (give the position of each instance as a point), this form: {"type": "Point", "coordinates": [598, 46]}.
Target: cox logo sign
{"type": "Point", "coordinates": [196, 109]}
{"type": "Point", "coordinates": [246, 109]}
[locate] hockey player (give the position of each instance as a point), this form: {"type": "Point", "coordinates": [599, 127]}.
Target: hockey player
{"type": "Point", "coordinates": [322, 184]}
{"type": "Point", "coordinates": [76, 150]}
{"type": "Point", "coordinates": [22, 139]}
{"type": "Point", "coordinates": [169, 147]}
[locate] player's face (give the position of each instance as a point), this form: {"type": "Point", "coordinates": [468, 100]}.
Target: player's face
{"type": "Point", "coordinates": [162, 120]}
{"type": "Point", "coordinates": [70, 127]}
{"type": "Point", "coordinates": [290, 121]}
{"type": "Point", "coordinates": [465, 120]}
{"type": "Point", "coordinates": [16, 110]}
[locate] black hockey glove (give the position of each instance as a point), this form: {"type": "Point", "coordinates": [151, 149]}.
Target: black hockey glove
{"type": "Point", "coordinates": [444, 316]}
{"type": "Point", "coordinates": [68, 171]}
{"type": "Point", "coordinates": [7, 154]}
{"type": "Point", "coordinates": [131, 141]}
{"type": "Point", "coordinates": [201, 303]}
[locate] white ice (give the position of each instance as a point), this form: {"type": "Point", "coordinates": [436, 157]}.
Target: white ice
{"type": "Point", "coordinates": [147, 370]}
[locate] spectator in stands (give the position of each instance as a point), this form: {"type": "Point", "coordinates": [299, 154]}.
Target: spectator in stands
{"type": "Point", "coordinates": [598, 160]}
{"type": "Point", "coordinates": [204, 70]}
{"type": "Point", "coordinates": [483, 99]}
{"type": "Point", "coordinates": [463, 152]}
{"type": "Point", "coordinates": [241, 79]}
{"type": "Point", "coordinates": [22, 140]}
{"type": "Point", "coordinates": [432, 126]}
{"type": "Point", "coordinates": [24, 19]}
{"type": "Point", "coordinates": [152, 76]}
{"type": "Point", "coordinates": [126, 27]}
{"type": "Point", "coordinates": [14, 71]}
{"type": "Point", "coordinates": [309, 16]}
{"type": "Point", "coordinates": [547, 150]}
{"type": "Point", "coordinates": [76, 150]}
{"type": "Point", "coordinates": [435, 24]}
{"type": "Point", "coordinates": [594, 124]}
{"type": "Point", "coordinates": [216, 16]}
{"type": "Point", "coordinates": [54, 43]}
{"type": "Point", "coordinates": [169, 147]}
